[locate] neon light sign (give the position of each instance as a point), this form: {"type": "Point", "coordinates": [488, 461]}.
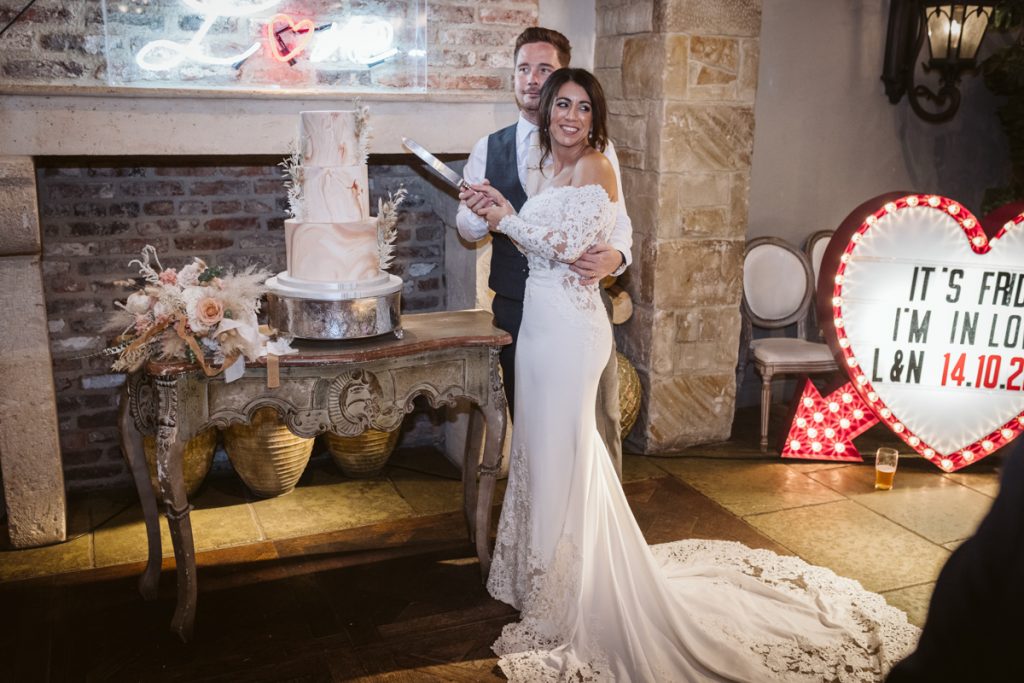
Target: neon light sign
{"type": "Point", "coordinates": [303, 29]}
{"type": "Point", "coordinates": [245, 43]}
{"type": "Point", "coordinates": [173, 54]}
{"type": "Point", "coordinates": [362, 40]}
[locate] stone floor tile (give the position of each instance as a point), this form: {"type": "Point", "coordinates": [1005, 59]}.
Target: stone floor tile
{"type": "Point", "coordinates": [26, 563]}
{"type": "Point", "coordinates": [427, 494]}
{"type": "Point", "coordinates": [326, 500]}
{"type": "Point", "coordinates": [746, 488]}
{"type": "Point", "coordinates": [859, 479]}
{"type": "Point", "coordinates": [637, 467]}
{"type": "Point", "coordinates": [913, 600]}
{"type": "Point", "coordinates": [855, 542]}
{"type": "Point", "coordinates": [925, 502]}
{"type": "Point", "coordinates": [986, 483]}
{"type": "Point", "coordinates": [74, 554]}
{"type": "Point", "coordinates": [220, 519]}
{"type": "Point", "coordinates": [815, 466]}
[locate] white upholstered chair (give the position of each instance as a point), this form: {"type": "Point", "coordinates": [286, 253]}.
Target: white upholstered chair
{"type": "Point", "coordinates": [815, 250]}
{"type": "Point", "coordinates": [815, 247]}
{"type": "Point", "coordinates": [778, 290]}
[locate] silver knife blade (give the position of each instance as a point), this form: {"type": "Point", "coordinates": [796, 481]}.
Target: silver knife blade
{"type": "Point", "coordinates": [436, 164]}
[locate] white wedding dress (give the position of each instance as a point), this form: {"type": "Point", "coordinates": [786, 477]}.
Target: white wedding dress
{"type": "Point", "coordinates": [596, 602]}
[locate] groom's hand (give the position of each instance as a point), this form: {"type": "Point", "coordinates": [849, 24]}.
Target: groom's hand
{"type": "Point", "coordinates": [597, 262]}
{"type": "Point", "coordinates": [476, 201]}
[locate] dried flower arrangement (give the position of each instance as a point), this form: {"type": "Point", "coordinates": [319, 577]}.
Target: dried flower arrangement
{"type": "Point", "coordinates": [198, 314]}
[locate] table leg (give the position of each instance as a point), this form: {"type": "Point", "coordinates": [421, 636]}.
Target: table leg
{"type": "Point", "coordinates": [170, 448]}
{"type": "Point", "coordinates": [470, 467]}
{"type": "Point", "coordinates": [131, 444]}
{"type": "Point", "coordinates": [494, 414]}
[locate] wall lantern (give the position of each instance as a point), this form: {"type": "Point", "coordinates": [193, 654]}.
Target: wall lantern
{"type": "Point", "coordinates": [954, 31]}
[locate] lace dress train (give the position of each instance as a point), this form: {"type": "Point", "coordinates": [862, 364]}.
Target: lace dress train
{"type": "Point", "coordinates": [596, 602]}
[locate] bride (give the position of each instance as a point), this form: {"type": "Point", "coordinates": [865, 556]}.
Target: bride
{"type": "Point", "coordinates": [596, 602]}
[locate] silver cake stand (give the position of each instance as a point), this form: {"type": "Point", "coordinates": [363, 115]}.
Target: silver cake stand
{"type": "Point", "coordinates": [334, 311]}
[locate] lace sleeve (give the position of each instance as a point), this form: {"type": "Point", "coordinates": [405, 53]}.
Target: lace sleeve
{"type": "Point", "coordinates": [578, 221]}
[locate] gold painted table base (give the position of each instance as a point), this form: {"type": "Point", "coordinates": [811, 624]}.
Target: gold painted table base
{"type": "Point", "coordinates": [341, 387]}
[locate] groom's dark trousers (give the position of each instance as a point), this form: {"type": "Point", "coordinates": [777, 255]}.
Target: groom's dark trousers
{"type": "Point", "coordinates": [509, 270]}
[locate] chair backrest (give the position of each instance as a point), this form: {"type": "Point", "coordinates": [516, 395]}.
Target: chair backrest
{"type": "Point", "coordinates": [815, 250]}
{"type": "Point", "coordinates": [777, 283]}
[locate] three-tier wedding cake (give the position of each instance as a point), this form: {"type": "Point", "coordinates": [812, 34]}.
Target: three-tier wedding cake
{"type": "Point", "coordinates": [335, 286]}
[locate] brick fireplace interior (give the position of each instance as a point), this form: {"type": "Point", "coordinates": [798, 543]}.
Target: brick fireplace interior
{"type": "Point", "coordinates": [96, 215]}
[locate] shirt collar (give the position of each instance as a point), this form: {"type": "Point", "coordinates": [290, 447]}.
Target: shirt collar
{"type": "Point", "coordinates": [523, 129]}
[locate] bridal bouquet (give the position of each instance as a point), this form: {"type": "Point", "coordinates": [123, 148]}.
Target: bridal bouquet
{"type": "Point", "coordinates": [198, 314]}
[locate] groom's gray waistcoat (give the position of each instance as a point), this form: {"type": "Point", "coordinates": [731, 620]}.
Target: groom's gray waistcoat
{"type": "Point", "coordinates": [508, 265]}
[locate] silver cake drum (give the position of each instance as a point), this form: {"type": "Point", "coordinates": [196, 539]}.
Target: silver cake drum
{"type": "Point", "coordinates": [334, 311]}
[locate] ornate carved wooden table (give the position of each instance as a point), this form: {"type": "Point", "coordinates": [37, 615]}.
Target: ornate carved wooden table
{"type": "Point", "coordinates": [343, 387]}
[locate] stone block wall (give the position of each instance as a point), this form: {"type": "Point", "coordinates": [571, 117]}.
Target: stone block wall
{"type": "Point", "coordinates": [469, 43]}
{"type": "Point", "coordinates": [681, 77]}
{"type": "Point", "coordinates": [97, 216]}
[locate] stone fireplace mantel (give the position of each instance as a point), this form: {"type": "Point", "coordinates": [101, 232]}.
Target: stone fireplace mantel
{"type": "Point", "coordinates": [104, 122]}
{"type": "Point", "coordinates": [84, 122]}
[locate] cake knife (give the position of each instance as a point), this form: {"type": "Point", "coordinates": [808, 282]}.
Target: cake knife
{"type": "Point", "coordinates": [436, 164]}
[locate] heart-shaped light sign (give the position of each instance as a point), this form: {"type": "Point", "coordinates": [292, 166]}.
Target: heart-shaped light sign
{"type": "Point", "coordinates": [302, 29]}
{"type": "Point", "coordinates": [927, 317]}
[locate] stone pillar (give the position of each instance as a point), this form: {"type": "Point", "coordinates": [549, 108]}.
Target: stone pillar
{"type": "Point", "coordinates": [29, 446]}
{"type": "Point", "coordinates": [681, 77]}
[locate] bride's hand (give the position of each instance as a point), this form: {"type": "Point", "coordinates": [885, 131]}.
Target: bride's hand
{"type": "Point", "coordinates": [498, 210]}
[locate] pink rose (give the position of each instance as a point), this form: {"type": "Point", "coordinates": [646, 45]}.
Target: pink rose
{"type": "Point", "coordinates": [169, 276]}
{"type": "Point", "coordinates": [209, 311]}
{"type": "Point", "coordinates": [142, 324]}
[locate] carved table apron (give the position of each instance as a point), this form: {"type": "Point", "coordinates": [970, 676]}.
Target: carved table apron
{"type": "Point", "coordinates": [343, 387]}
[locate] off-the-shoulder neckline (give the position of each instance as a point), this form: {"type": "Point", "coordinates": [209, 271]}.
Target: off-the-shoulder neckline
{"type": "Point", "coordinates": [577, 187]}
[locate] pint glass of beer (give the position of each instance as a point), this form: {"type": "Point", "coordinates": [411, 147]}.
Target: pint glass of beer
{"type": "Point", "coordinates": [885, 467]}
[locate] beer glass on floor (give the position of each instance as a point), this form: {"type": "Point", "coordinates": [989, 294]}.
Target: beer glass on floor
{"type": "Point", "coordinates": [885, 467]}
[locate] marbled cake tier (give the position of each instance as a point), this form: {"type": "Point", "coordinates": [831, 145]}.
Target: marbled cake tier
{"type": "Point", "coordinates": [330, 138]}
{"type": "Point", "coordinates": [332, 252]}
{"type": "Point", "coordinates": [335, 194]}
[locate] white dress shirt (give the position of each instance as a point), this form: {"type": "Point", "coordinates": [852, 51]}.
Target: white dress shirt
{"type": "Point", "coordinates": [472, 227]}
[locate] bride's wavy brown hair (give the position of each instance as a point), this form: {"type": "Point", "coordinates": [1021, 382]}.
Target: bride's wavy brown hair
{"type": "Point", "coordinates": [598, 137]}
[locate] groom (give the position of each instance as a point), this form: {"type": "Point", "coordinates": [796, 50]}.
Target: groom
{"type": "Point", "coordinates": [501, 158]}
